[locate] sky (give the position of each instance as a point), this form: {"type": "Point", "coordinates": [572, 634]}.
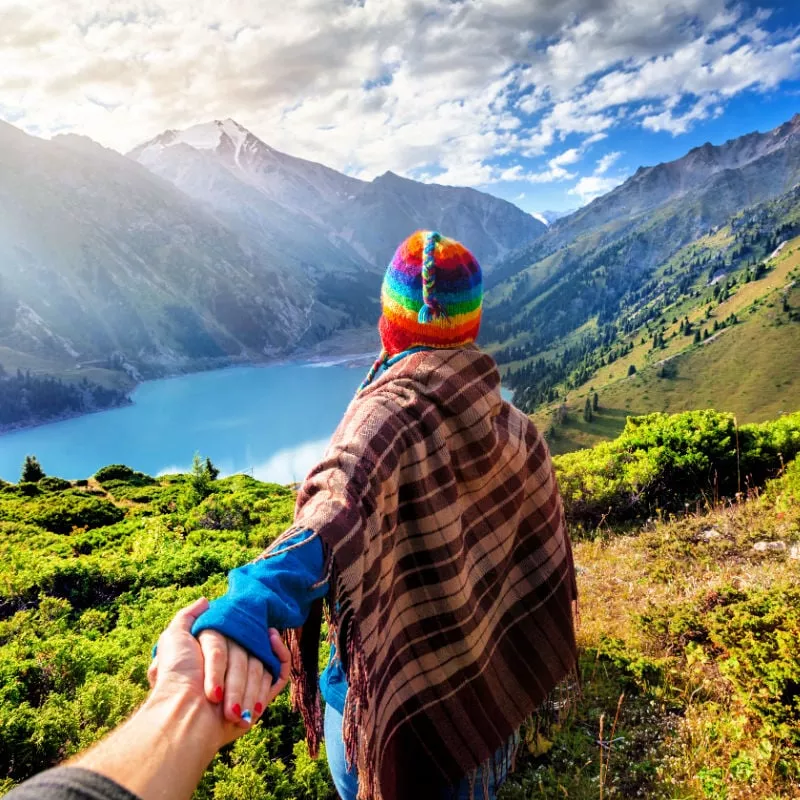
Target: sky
{"type": "Point", "coordinates": [547, 103]}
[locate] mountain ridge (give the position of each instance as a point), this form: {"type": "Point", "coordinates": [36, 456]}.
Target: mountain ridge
{"type": "Point", "coordinates": [384, 209]}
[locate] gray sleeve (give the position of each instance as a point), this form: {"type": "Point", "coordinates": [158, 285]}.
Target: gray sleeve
{"type": "Point", "coordinates": [70, 783]}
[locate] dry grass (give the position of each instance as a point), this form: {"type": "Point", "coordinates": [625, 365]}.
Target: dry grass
{"type": "Point", "coordinates": [685, 728]}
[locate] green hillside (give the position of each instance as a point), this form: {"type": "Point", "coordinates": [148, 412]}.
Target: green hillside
{"type": "Point", "coordinates": [690, 616]}
{"type": "Point", "coordinates": [751, 368]}
{"type": "Point", "coordinates": [717, 325]}
{"type": "Point", "coordinates": [648, 277]}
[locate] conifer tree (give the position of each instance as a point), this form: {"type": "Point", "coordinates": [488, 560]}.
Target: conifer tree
{"type": "Point", "coordinates": [595, 401]}
{"type": "Point", "coordinates": [211, 470]}
{"type": "Point", "coordinates": [31, 470]}
{"type": "Point", "coordinates": [588, 414]}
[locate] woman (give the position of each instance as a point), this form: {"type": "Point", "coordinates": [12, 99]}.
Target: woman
{"type": "Point", "coordinates": [434, 533]}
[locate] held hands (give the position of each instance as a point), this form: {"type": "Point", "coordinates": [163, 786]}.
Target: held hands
{"type": "Point", "coordinates": [239, 680]}
{"type": "Point", "coordinates": [215, 670]}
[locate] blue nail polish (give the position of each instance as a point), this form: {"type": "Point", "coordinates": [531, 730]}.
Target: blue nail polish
{"type": "Point", "coordinates": [154, 651]}
{"type": "Point", "coordinates": [247, 716]}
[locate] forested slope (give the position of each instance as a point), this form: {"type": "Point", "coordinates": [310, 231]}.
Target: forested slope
{"type": "Point", "coordinates": [640, 273]}
{"type": "Point", "coordinates": [717, 325]}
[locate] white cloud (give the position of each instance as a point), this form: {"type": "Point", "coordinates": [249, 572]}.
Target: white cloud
{"type": "Point", "coordinates": [668, 120]}
{"type": "Point", "coordinates": [567, 157]}
{"type": "Point", "coordinates": [591, 186]}
{"type": "Point", "coordinates": [607, 161]}
{"type": "Point", "coordinates": [465, 93]}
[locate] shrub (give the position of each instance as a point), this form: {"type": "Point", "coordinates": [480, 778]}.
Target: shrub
{"type": "Point", "coordinates": [759, 632]}
{"type": "Point", "coordinates": [203, 474]}
{"type": "Point", "coordinates": [53, 484]}
{"type": "Point", "coordinates": [113, 472]}
{"type": "Point", "coordinates": [62, 513]}
{"type": "Point", "coordinates": [663, 461]}
{"type": "Point", "coordinates": [784, 492]}
{"type": "Point", "coordinates": [221, 513]}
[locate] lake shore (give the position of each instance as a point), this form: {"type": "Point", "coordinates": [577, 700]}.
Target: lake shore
{"type": "Point", "coordinates": [16, 427]}
{"type": "Point", "coordinates": [312, 356]}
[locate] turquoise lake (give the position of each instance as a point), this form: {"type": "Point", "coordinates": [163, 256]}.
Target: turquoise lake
{"type": "Point", "coordinates": [272, 422]}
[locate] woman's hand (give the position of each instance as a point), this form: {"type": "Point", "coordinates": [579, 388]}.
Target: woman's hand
{"type": "Point", "coordinates": [239, 680]}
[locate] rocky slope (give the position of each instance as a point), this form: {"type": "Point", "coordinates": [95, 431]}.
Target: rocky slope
{"type": "Point", "coordinates": [98, 256]}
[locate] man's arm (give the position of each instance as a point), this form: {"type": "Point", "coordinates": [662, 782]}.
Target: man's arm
{"type": "Point", "coordinates": [161, 752]}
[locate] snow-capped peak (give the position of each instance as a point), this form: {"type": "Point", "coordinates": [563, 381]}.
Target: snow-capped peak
{"type": "Point", "coordinates": [208, 136]}
{"type": "Point", "coordinates": [205, 136]}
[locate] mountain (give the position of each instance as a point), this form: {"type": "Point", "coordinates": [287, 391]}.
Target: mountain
{"type": "Point", "coordinates": [98, 257]}
{"type": "Point", "coordinates": [745, 360]}
{"type": "Point", "coordinates": [272, 195]}
{"type": "Point", "coordinates": [684, 197]}
{"type": "Point", "coordinates": [717, 325]}
{"type": "Point", "coordinates": [599, 273]}
{"type": "Point", "coordinates": [243, 252]}
{"type": "Point", "coordinates": [203, 248]}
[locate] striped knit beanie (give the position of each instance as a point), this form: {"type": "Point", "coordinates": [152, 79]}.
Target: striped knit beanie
{"type": "Point", "coordinates": [432, 297]}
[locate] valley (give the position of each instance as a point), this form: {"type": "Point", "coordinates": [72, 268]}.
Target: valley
{"type": "Point", "coordinates": [673, 274]}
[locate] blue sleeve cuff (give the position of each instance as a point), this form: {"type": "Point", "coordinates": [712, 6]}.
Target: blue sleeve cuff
{"type": "Point", "coordinates": [274, 592]}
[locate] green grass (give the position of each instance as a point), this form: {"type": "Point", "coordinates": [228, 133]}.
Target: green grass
{"type": "Point", "coordinates": [695, 637]}
{"type": "Point", "coordinates": [689, 641]}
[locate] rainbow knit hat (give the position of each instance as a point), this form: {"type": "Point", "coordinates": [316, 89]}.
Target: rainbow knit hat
{"type": "Point", "coordinates": [432, 297]}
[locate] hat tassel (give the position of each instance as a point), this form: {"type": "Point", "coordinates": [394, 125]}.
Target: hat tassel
{"type": "Point", "coordinates": [431, 308]}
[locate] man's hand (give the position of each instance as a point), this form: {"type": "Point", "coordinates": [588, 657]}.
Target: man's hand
{"type": "Point", "coordinates": [164, 748]}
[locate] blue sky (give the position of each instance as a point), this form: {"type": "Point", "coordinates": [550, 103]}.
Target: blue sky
{"type": "Point", "coordinates": [545, 103]}
{"type": "Point", "coordinates": [749, 111]}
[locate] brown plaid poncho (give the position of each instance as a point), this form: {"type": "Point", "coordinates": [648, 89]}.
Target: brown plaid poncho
{"type": "Point", "coordinates": [451, 574]}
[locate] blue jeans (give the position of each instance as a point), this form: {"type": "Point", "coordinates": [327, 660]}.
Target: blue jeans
{"type": "Point", "coordinates": [346, 783]}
